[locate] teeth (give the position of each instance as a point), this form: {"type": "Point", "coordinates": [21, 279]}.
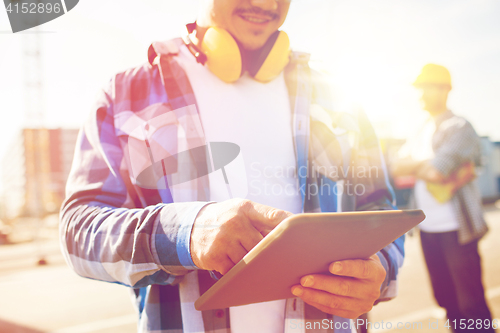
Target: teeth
{"type": "Point", "coordinates": [254, 19]}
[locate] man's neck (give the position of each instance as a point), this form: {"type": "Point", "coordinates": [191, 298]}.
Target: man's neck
{"type": "Point", "coordinates": [438, 118]}
{"type": "Point", "coordinates": [436, 113]}
{"type": "Point", "coordinates": [199, 33]}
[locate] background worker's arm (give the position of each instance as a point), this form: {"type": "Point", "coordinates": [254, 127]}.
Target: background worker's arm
{"type": "Point", "coordinates": [421, 169]}
{"type": "Point", "coordinates": [460, 144]}
{"type": "Point", "coordinates": [429, 173]}
{"type": "Point", "coordinates": [405, 167]}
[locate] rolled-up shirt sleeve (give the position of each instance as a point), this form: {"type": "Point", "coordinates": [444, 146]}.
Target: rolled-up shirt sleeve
{"type": "Point", "coordinates": [460, 144]}
{"type": "Point", "coordinates": [106, 232]}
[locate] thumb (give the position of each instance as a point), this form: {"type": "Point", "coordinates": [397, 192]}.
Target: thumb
{"type": "Point", "coordinates": [265, 218]}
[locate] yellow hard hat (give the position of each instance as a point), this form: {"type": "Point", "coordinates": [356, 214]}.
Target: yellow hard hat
{"type": "Point", "coordinates": [433, 74]}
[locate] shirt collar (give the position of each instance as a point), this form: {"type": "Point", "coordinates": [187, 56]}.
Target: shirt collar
{"type": "Point", "coordinates": [442, 117]}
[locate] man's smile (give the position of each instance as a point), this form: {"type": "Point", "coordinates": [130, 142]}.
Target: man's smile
{"type": "Point", "coordinates": [254, 18]}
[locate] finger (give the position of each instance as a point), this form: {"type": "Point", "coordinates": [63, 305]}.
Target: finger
{"type": "Point", "coordinates": [236, 253]}
{"type": "Point", "coordinates": [224, 265]}
{"type": "Point", "coordinates": [336, 312]}
{"type": "Point", "coordinates": [332, 302]}
{"type": "Point", "coordinates": [265, 232]}
{"type": "Point", "coordinates": [264, 217]}
{"type": "Point", "coordinates": [375, 257]}
{"type": "Point", "coordinates": [337, 285]}
{"type": "Point", "coordinates": [366, 269]}
{"type": "Point", "coordinates": [250, 237]}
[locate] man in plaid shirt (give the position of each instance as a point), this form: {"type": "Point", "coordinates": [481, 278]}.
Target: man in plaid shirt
{"type": "Point", "coordinates": [144, 210]}
{"type": "Point", "coordinates": [445, 145]}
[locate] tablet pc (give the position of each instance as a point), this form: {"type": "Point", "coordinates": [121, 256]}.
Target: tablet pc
{"type": "Point", "coordinates": [305, 244]}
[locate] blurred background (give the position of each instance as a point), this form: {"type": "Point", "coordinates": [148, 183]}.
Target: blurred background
{"type": "Point", "coordinates": [372, 51]}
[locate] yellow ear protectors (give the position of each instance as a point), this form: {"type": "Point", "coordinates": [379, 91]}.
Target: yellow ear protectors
{"type": "Point", "coordinates": [226, 59]}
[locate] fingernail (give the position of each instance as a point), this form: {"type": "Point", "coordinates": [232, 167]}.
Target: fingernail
{"type": "Point", "coordinates": [307, 281]}
{"type": "Point", "coordinates": [297, 291]}
{"type": "Point", "coordinates": [336, 268]}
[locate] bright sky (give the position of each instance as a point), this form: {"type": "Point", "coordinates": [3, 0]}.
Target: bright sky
{"type": "Point", "coordinates": [372, 49]}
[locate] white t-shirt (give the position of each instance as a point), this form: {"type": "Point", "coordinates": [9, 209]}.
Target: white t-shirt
{"type": "Point", "coordinates": [440, 217]}
{"type": "Point", "coordinates": [257, 117]}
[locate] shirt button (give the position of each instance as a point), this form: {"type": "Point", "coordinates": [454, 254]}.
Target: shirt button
{"type": "Point", "coordinates": [219, 313]}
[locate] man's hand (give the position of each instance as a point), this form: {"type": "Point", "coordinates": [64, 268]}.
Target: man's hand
{"type": "Point", "coordinates": [420, 169]}
{"type": "Point", "coordinates": [224, 232]}
{"type": "Point", "coordinates": [405, 167]}
{"type": "Point", "coordinates": [429, 173]}
{"type": "Point", "coordinates": [350, 292]}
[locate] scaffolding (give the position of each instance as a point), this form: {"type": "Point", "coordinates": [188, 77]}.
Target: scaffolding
{"type": "Point", "coordinates": [37, 164]}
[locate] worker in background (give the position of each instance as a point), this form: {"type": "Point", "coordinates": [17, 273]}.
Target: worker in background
{"type": "Point", "coordinates": [443, 157]}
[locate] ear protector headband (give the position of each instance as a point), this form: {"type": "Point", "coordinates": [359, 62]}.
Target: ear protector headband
{"type": "Point", "coordinates": [224, 57]}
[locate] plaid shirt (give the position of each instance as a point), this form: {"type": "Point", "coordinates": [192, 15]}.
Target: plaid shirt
{"type": "Point", "coordinates": [115, 227]}
{"type": "Point", "coordinates": [455, 142]}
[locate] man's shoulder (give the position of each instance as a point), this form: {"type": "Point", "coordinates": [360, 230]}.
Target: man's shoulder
{"type": "Point", "coordinates": [139, 72]}
{"type": "Point", "coordinates": [149, 68]}
{"type": "Point", "coordinates": [455, 123]}
{"type": "Point", "coordinates": [129, 89]}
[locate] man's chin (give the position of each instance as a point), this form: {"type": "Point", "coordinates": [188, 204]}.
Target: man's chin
{"type": "Point", "coordinates": [252, 41]}
{"type": "Point", "coordinates": [251, 45]}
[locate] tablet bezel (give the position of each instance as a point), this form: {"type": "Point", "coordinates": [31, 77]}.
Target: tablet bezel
{"type": "Point", "coordinates": [264, 274]}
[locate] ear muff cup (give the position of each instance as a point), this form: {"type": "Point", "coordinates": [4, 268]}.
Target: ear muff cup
{"type": "Point", "coordinates": [225, 59]}
{"type": "Point", "coordinates": [274, 57]}
{"type": "Point", "coordinates": [223, 54]}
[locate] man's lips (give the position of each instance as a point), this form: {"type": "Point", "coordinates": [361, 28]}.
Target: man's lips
{"type": "Point", "coordinates": [258, 19]}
